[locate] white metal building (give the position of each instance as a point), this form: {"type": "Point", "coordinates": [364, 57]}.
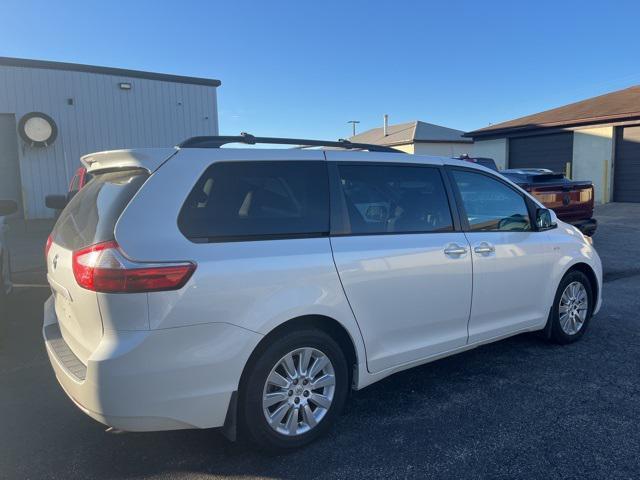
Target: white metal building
{"type": "Point", "coordinates": [52, 113]}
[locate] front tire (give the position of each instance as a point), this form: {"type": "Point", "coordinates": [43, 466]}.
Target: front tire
{"type": "Point", "coordinates": [294, 390]}
{"type": "Point", "coordinates": [572, 308]}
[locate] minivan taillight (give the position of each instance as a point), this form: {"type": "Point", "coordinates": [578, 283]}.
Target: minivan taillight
{"type": "Point", "coordinates": [104, 268]}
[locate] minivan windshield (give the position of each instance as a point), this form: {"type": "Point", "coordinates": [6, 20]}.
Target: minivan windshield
{"type": "Point", "coordinates": [91, 215]}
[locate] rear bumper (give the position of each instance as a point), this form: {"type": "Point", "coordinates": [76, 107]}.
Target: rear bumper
{"type": "Point", "coordinates": [154, 379]}
{"type": "Point", "coordinates": [587, 227]}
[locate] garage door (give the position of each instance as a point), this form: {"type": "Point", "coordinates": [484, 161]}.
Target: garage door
{"type": "Point", "coordinates": [626, 171]}
{"type": "Point", "coordinates": [543, 151]}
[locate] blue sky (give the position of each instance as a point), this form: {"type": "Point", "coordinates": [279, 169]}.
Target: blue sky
{"type": "Point", "coordinates": [305, 68]}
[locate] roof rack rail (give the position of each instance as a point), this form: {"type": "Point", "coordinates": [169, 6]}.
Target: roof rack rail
{"type": "Point", "coordinates": [244, 137]}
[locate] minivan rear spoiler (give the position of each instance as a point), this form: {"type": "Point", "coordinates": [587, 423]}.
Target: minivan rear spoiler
{"type": "Point", "coordinates": [148, 159]}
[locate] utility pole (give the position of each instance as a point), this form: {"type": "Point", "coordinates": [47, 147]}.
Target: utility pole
{"type": "Point", "coordinates": [353, 125]}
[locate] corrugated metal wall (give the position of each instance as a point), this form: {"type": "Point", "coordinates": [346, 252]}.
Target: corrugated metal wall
{"type": "Point", "coordinates": [153, 113]}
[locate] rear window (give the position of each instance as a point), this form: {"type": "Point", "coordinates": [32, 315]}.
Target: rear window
{"type": "Point", "coordinates": [236, 201]}
{"type": "Point", "coordinates": [91, 215]}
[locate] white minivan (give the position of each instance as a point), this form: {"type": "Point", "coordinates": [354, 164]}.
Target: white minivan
{"type": "Point", "coordinates": [251, 289]}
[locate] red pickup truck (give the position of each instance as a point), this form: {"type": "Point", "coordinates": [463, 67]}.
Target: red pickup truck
{"type": "Point", "coordinates": [79, 180]}
{"type": "Point", "coordinates": [571, 200]}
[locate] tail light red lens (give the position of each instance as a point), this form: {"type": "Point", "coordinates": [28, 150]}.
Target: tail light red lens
{"type": "Point", "coordinates": [104, 268]}
{"type": "Point", "coordinates": [47, 247]}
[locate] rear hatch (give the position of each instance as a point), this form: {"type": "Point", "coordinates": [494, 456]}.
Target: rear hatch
{"type": "Point", "coordinates": [89, 218]}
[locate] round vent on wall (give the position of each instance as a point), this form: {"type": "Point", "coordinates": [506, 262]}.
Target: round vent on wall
{"type": "Point", "coordinates": [38, 129]}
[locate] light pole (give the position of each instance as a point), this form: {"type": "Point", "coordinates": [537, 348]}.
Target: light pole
{"type": "Point", "coordinates": [353, 125]}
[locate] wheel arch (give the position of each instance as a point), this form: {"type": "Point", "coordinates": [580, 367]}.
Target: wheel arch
{"type": "Point", "coordinates": [328, 325]}
{"type": "Point", "coordinates": [590, 274]}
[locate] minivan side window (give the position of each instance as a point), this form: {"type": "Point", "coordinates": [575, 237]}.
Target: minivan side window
{"type": "Point", "coordinates": [243, 201]}
{"type": "Point", "coordinates": [491, 205]}
{"type": "Point", "coordinates": [394, 199]}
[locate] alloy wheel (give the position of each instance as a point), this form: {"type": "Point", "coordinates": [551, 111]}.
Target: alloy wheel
{"type": "Point", "coordinates": [573, 308]}
{"type": "Point", "coordinates": [298, 391]}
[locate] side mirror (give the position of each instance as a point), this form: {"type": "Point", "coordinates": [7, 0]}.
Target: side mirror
{"type": "Point", "coordinates": [7, 207]}
{"type": "Point", "coordinates": [57, 202]}
{"type": "Point", "coordinates": [546, 219]}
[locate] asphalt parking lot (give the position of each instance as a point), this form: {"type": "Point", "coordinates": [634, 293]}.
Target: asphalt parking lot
{"type": "Point", "coordinates": [520, 408]}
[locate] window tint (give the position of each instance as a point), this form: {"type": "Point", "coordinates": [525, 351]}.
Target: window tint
{"type": "Point", "coordinates": [490, 204]}
{"type": "Point", "coordinates": [91, 215]}
{"type": "Point", "coordinates": [243, 200]}
{"type": "Point", "coordinates": [395, 199]}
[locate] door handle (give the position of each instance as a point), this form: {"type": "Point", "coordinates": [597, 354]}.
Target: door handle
{"type": "Point", "coordinates": [454, 249]}
{"type": "Point", "coordinates": [484, 248]}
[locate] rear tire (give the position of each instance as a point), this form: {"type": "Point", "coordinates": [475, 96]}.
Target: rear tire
{"type": "Point", "coordinates": [279, 385]}
{"type": "Point", "coordinates": [572, 308]}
